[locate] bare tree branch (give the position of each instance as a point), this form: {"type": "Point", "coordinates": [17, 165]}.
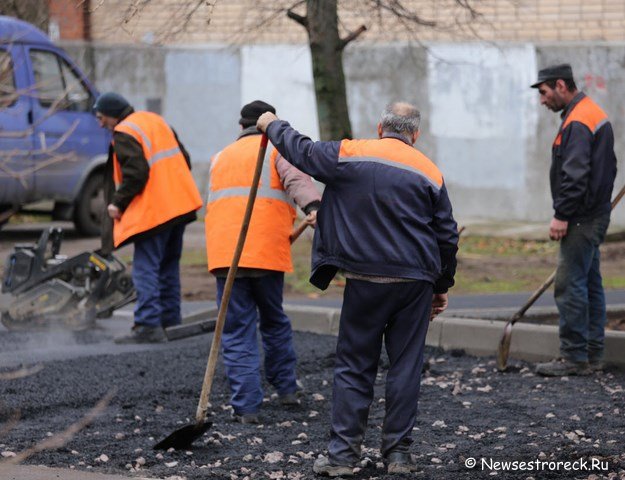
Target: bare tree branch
{"type": "Point", "coordinates": [21, 373]}
{"type": "Point", "coordinates": [61, 439]}
{"type": "Point", "coordinates": [352, 36]}
{"type": "Point", "coordinates": [397, 8]}
{"type": "Point", "coordinates": [301, 19]}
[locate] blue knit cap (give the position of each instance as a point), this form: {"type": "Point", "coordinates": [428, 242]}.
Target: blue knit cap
{"type": "Point", "coordinates": [111, 104]}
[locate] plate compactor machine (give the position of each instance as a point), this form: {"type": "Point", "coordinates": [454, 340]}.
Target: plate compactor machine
{"type": "Point", "coordinates": [51, 291]}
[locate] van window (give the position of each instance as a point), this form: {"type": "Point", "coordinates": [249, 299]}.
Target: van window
{"type": "Point", "coordinates": [8, 90]}
{"type": "Point", "coordinates": [58, 84]}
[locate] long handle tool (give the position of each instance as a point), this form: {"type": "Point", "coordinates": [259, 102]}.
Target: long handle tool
{"type": "Point", "coordinates": [503, 350]}
{"type": "Point", "coordinates": [185, 436]}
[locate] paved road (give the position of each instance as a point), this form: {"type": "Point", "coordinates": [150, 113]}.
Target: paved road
{"type": "Point", "coordinates": [478, 302]}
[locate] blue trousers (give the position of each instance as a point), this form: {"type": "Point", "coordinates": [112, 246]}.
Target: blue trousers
{"type": "Point", "coordinates": [256, 301]}
{"type": "Point", "coordinates": [579, 292]}
{"type": "Point", "coordinates": [156, 275]}
{"type": "Point", "coordinates": [397, 314]}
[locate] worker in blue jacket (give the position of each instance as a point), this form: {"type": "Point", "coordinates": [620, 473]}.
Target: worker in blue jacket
{"type": "Point", "coordinates": [583, 169]}
{"type": "Point", "coordinates": [386, 223]}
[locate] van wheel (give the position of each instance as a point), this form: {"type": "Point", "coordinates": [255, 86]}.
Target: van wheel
{"type": "Point", "coordinates": [89, 206]}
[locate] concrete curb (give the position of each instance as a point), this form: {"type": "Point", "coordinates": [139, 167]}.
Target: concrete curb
{"type": "Point", "coordinates": [530, 342]}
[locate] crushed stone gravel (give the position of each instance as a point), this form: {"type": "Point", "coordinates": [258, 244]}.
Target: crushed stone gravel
{"type": "Point", "coordinates": [468, 411]}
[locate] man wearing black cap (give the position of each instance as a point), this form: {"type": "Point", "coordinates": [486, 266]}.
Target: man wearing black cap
{"type": "Point", "coordinates": [257, 290]}
{"type": "Point", "coordinates": [147, 208]}
{"type": "Point", "coordinates": [583, 168]}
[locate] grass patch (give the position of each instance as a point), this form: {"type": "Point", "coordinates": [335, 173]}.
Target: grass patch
{"type": "Point", "coordinates": [613, 282]}
{"type": "Point", "coordinates": [505, 246]}
{"type": "Point", "coordinates": [298, 280]}
{"type": "Point", "coordinates": [23, 218]}
{"type": "Point", "coordinates": [193, 257]}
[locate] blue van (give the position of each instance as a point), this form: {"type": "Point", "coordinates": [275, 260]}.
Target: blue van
{"type": "Point", "coordinates": [51, 146]}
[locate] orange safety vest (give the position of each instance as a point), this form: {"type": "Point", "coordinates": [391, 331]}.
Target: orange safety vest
{"type": "Point", "coordinates": [170, 191]}
{"type": "Point", "coordinates": [267, 244]}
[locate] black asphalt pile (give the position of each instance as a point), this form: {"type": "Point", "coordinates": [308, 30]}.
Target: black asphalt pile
{"type": "Point", "coordinates": [469, 413]}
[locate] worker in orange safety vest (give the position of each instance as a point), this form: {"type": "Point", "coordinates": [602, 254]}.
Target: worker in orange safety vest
{"type": "Point", "coordinates": [150, 197]}
{"type": "Point", "coordinates": [257, 291]}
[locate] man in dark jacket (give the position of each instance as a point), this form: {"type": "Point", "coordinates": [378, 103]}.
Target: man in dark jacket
{"type": "Point", "coordinates": [147, 208]}
{"type": "Point", "coordinates": [583, 168]}
{"type": "Point", "coordinates": [386, 223]}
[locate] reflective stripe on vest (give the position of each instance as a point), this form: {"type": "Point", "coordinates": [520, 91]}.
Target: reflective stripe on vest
{"type": "Point", "coordinates": [138, 130]}
{"type": "Point", "coordinates": [170, 191]}
{"type": "Point", "coordinates": [264, 188]}
{"type": "Point", "coordinates": [267, 245]}
{"type": "Point", "coordinates": [155, 158]}
{"type": "Point", "coordinates": [390, 163]}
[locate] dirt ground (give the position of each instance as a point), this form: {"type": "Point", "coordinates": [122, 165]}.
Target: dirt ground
{"type": "Point", "coordinates": [468, 410]}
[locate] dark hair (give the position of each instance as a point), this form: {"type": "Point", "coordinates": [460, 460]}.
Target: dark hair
{"type": "Point", "coordinates": [569, 82]}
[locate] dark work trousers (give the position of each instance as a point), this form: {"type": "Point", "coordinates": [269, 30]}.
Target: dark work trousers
{"type": "Point", "coordinates": [256, 301]}
{"type": "Point", "coordinates": [156, 275]}
{"type": "Point", "coordinates": [399, 314]}
{"type": "Point", "coordinates": [579, 292]}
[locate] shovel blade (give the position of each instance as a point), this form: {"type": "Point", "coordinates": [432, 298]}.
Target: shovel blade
{"type": "Point", "coordinates": [503, 350]}
{"type": "Point", "coordinates": [183, 437]}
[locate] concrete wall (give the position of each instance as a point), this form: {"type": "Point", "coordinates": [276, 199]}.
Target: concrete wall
{"type": "Point", "coordinates": [480, 122]}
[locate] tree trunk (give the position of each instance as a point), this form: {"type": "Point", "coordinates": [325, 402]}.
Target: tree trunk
{"type": "Point", "coordinates": [326, 48]}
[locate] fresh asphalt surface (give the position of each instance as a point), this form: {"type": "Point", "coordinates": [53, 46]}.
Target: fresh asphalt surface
{"type": "Point", "coordinates": [468, 410]}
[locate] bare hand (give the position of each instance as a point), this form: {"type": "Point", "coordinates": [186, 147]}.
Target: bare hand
{"type": "Point", "coordinates": [439, 304]}
{"type": "Point", "coordinates": [311, 219]}
{"type": "Point", "coordinates": [557, 229]}
{"type": "Point", "coordinates": [264, 120]}
{"type": "Point", "coordinates": [114, 212]}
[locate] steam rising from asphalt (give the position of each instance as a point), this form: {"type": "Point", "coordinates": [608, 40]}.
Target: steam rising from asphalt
{"type": "Point", "coordinates": [26, 348]}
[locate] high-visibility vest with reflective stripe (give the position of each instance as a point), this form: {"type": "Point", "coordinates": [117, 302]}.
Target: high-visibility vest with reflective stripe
{"type": "Point", "coordinates": [267, 244]}
{"type": "Point", "coordinates": [170, 190]}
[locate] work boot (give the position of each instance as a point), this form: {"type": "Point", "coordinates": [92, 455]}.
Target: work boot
{"type": "Point", "coordinates": [323, 466]}
{"type": "Point", "coordinates": [401, 462]}
{"type": "Point", "coordinates": [562, 367]}
{"type": "Point", "coordinates": [143, 334]}
{"type": "Point", "coordinates": [247, 418]}
{"type": "Point", "coordinates": [289, 399]}
{"type": "Point", "coordinates": [596, 365]}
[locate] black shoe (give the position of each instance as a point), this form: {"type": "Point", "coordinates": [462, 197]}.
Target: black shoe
{"type": "Point", "coordinates": [596, 365]}
{"type": "Point", "coordinates": [561, 367]}
{"type": "Point", "coordinates": [289, 399]}
{"type": "Point", "coordinates": [322, 466]}
{"type": "Point", "coordinates": [143, 334]}
{"type": "Point", "coordinates": [247, 418]}
{"type": "Point", "coordinates": [401, 462]}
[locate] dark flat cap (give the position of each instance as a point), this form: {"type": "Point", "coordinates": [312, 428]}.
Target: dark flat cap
{"type": "Point", "coordinates": [555, 72]}
{"type": "Point", "coordinates": [253, 110]}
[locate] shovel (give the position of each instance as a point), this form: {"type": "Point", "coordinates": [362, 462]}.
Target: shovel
{"type": "Point", "coordinates": [504, 344]}
{"type": "Point", "coordinates": [185, 436]}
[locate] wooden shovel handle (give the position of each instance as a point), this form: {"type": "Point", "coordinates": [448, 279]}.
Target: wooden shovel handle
{"type": "Point", "coordinates": [297, 231]}
{"type": "Point", "coordinates": [225, 299]}
{"type": "Point", "coordinates": [536, 295]}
